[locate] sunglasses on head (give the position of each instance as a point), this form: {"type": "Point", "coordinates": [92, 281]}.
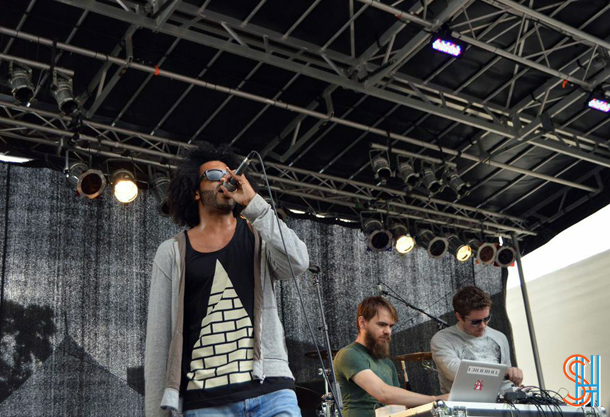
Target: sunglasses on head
{"type": "Point", "coordinates": [213, 174]}
{"type": "Point", "coordinates": [479, 321]}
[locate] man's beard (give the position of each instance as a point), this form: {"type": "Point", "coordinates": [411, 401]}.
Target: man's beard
{"type": "Point", "coordinates": [376, 349]}
{"type": "Point", "coordinates": [210, 199]}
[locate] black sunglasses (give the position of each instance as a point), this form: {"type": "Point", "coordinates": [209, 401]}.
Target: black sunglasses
{"type": "Point", "coordinates": [479, 321]}
{"type": "Point", "coordinates": [213, 174]}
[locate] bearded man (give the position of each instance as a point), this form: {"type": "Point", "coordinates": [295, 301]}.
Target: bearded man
{"type": "Point", "coordinates": [365, 373]}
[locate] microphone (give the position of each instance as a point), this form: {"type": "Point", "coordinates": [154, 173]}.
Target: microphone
{"type": "Point", "coordinates": [314, 269]}
{"type": "Point", "coordinates": [231, 185]}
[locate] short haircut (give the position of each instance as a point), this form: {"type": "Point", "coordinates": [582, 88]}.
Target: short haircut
{"type": "Point", "coordinates": [369, 306]}
{"type": "Point", "coordinates": [470, 298]}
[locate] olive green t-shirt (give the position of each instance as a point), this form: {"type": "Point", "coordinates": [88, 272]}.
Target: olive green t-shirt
{"type": "Point", "coordinates": [351, 360]}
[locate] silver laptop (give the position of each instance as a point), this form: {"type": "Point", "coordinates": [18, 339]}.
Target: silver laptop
{"type": "Point", "coordinates": [477, 382]}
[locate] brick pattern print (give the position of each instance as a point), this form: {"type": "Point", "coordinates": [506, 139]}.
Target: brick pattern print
{"type": "Point", "coordinates": [224, 352]}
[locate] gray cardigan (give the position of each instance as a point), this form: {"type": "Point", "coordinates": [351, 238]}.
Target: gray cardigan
{"type": "Point", "coordinates": [448, 347]}
{"type": "Point", "coordinates": [163, 352]}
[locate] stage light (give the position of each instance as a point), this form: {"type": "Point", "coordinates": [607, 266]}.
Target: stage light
{"type": "Point", "coordinates": [486, 253]}
{"type": "Point", "coordinates": [20, 80]}
{"type": "Point", "coordinates": [407, 174]}
{"type": "Point", "coordinates": [5, 157]}
{"type": "Point", "coordinates": [599, 104]}
{"type": "Point", "coordinates": [459, 249]}
{"type": "Point", "coordinates": [62, 91]}
{"type": "Point", "coordinates": [403, 242]}
{"type": "Point", "coordinates": [434, 245]}
{"type": "Point", "coordinates": [446, 46]}
{"type": "Point", "coordinates": [505, 256]}
{"type": "Point", "coordinates": [459, 187]}
{"type": "Point", "coordinates": [74, 171]}
{"type": "Point", "coordinates": [91, 183]}
{"type": "Point", "coordinates": [381, 168]}
{"type": "Point", "coordinates": [429, 180]}
{"type": "Point", "coordinates": [125, 188]}
{"type": "Point", "coordinates": [161, 186]}
{"type": "Point", "coordinates": [378, 238]}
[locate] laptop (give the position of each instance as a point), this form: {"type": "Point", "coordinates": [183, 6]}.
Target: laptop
{"type": "Point", "coordinates": [477, 382]}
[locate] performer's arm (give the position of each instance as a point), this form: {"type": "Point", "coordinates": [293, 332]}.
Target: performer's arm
{"type": "Point", "coordinates": [387, 394]}
{"type": "Point", "coordinates": [445, 356]}
{"type": "Point", "coordinates": [260, 214]}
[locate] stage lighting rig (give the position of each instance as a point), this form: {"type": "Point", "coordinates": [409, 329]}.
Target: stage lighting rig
{"type": "Point", "coordinates": [600, 99]}
{"type": "Point", "coordinates": [459, 249]}
{"type": "Point", "coordinates": [378, 237]}
{"type": "Point", "coordinates": [429, 180]}
{"type": "Point", "coordinates": [125, 187]}
{"type": "Point", "coordinates": [435, 246]}
{"type": "Point", "coordinates": [160, 190]}
{"type": "Point", "coordinates": [486, 253]}
{"type": "Point", "coordinates": [505, 256]}
{"type": "Point", "coordinates": [459, 187]}
{"type": "Point", "coordinates": [407, 173]}
{"type": "Point", "coordinates": [91, 183]}
{"type": "Point", "coordinates": [403, 242]}
{"type": "Point", "coordinates": [381, 165]}
{"type": "Point", "coordinates": [61, 88]}
{"type": "Point", "coordinates": [20, 81]}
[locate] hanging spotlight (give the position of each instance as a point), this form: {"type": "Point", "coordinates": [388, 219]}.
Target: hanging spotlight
{"type": "Point", "coordinates": [125, 188]}
{"type": "Point", "coordinates": [74, 171]}
{"type": "Point", "coordinates": [599, 104]}
{"type": "Point", "coordinates": [459, 187]}
{"type": "Point", "coordinates": [403, 242]}
{"type": "Point", "coordinates": [435, 246]}
{"type": "Point", "coordinates": [378, 238]}
{"type": "Point", "coordinates": [459, 249]}
{"type": "Point", "coordinates": [381, 168]}
{"type": "Point", "coordinates": [91, 183]}
{"type": "Point", "coordinates": [432, 184]}
{"type": "Point", "coordinates": [407, 174]}
{"type": "Point", "coordinates": [600, 99]}
{"type": "Point", "coordinates": [486, 254]}
{"type": "Point", "coordinates": [62, 91]}
{"type": "Point", "coordinates": [20, 80]}
{"type": "Point", "coordinates": [505, 256]}
{"type": "Point", "coordinates": [161, 185]}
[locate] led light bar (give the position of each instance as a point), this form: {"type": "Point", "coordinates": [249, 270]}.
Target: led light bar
{"type": "Point", "coordinates": [447, 47]}
{"type": "Point", "coordinates": [600, 105]}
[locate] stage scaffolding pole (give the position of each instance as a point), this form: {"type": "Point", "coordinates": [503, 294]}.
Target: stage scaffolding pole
{"type": "Point", "coordinates": [528, 313]}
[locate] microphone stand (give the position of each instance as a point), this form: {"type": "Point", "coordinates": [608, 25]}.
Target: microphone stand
{"type": "Point", "coordinates": [337, 390]}
{"type": "Point", "coordinates": [441, 324]}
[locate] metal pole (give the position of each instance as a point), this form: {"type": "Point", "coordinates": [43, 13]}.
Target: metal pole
{"type": "Point", "coordinates": [528, 314]}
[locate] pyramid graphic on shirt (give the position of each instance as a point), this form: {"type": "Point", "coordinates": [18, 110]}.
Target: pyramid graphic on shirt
{"type": "Point", "coordinates": [224, 352]}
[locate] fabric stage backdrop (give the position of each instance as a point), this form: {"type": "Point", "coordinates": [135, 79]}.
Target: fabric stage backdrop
{"type": "Point", "coordinates": [74, 291]}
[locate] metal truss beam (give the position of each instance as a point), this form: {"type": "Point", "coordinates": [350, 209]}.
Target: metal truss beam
{"type": "Point", "coordinates": [104, 138]}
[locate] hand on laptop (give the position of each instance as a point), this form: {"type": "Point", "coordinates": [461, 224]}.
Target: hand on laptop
{"type": "Point", "coordinates": [444, 397]}
{"type": "Point", "coordinates": [515, 375]}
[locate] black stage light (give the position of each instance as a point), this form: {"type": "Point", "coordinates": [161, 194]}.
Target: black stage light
{"type": "Point", "coordinates": [403, 242]}
{"type": "Point", "coordinates": [505, 256]}
{"type": "Point", "coordinates": [459, 249]}
{"type": "Point", "coordinates": [20, 80]}
{"type": "Point", "coordinates": [459, 187]}
{"type": "Point", "coordinates": [161, 186]}
{"type": "Point", "coordinates": [434, 245]}
{"type": "Point", "coordinates": [381, 168]}
{"type": "Point", "coordinates": [429, 180]}
{"type": "Point", "coordinates": [407, 173]}
{"type": "Point", "coordinates": [62, 91]}
{"type": "Point", "coordinates": [486, 254]}
{"type": "Point", "coordinates": [91, 183]}
{"type": "Point", "coordinates": [378, 238]}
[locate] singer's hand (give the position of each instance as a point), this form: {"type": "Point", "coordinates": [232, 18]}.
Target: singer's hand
{"type": "Point", "coordinates": [244, 192]}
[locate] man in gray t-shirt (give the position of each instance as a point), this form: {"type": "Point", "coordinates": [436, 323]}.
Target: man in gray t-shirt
{"type": "Point", "coordinates": [471, 339]}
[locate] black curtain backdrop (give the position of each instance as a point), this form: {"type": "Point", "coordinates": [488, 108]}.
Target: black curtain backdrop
{"type": "Point", "coordinates": [74, 290]}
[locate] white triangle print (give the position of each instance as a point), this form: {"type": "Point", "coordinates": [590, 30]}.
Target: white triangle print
{"type": "Point", "coordinates": [224, 353]}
